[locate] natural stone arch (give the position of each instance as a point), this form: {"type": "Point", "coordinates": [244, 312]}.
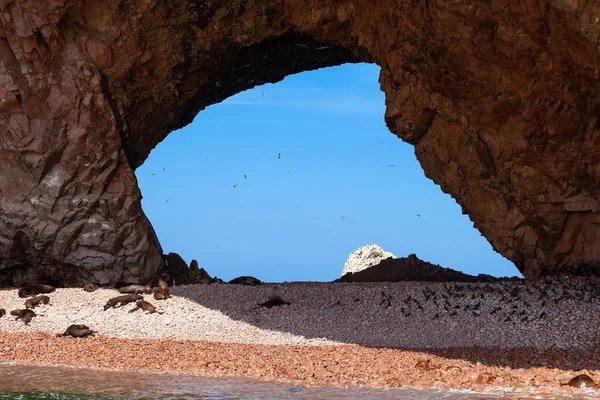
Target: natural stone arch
{"type": "Point", "coordinates": [500, 100]}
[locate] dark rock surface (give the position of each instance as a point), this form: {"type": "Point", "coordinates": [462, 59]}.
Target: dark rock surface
{"type": "Point", "coordinates": [500, 99]}
{"type": "Point", "coordinates": [411, 268]}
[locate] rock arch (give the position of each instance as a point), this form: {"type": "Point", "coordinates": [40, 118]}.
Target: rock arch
{"type": "Point", "coordinates": [500, 99]}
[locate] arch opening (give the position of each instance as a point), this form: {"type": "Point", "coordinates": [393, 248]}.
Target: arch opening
{"type": "Point", "coordinates": [217, 192]}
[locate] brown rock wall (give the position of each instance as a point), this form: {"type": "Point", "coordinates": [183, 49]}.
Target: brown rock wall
{"type": "Point", "coordinates": [500, 99]}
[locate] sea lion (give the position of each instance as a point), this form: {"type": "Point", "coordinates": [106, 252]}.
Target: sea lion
{"type": "Point", "coordinates": [135, 289]}
{"type": "Point", "coordinates": [2, 312]}
{"type": "Point", "coordinates": [122, 300]}
{"type": "Point", "coordinates": [144, 305]}
{"type": "Point", "coordinates": [163, 286]}
{"type": "Point", "coordinates": [274, 301]}
{"type": "Point", "coordinates": [162, 291]}
{"type": "Point", "coordinates": [245, 280]}
{"type": "Point", "coordinates": [32, 290]}
{"type": "Point", "coordinates": [36, 301]}
{"type": "Point", "coordinates": [582, 381]}
{"type": "Point", "coordinates": [158, 295]}
{"type": "Point", "coordinates": [90, 287]}
{"type": "Point", "coordinates": [25, 315]}
{"type": "Point", "coordinates": [77, 331]}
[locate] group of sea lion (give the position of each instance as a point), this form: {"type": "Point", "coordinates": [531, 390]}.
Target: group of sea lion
{"type": "Point", "coordinates": [161, 293]}
{"type": "Point", "coordinates": [27, 314]}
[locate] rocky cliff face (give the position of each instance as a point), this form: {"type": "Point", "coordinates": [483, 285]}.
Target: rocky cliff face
{"type": "Point", "coordinates": [500, 99]}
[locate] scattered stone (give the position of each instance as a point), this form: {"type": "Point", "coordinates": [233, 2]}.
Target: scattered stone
{"type": "Point", "coordinates": [485, 378]}
{"type": "Point", "coordinates": [582, 381]}
{"type": "Point", "coordinates": [2, 312]}
{"type": "Point", "coordinates": [423, 365]}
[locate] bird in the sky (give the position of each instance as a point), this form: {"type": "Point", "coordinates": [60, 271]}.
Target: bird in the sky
{"type": "Point", "coordinates": [244, 176]}
{"type": "Point", "coordinates": [234, 185]}
{"type": "Point", "coordinates": [343, 219]}
{"type": "Point", "coordinates": [152, 174]}
{"type": "Point", "coordinates": [419, 215]}
{"type": "Point", "coordinates": [263, 94]}
{"type": "Point", "coordinates": [278, 156]}
{"type": "Point", "coordinates": [167, 199]}
{"type": "Point", "coordinates": [391, 165]}
{"type": "Point", "coordinates": [289, 172]}
{"type": "Point", "coordinates": [164, 169]}
{"type": "Point", "coordinates": [205, 156]}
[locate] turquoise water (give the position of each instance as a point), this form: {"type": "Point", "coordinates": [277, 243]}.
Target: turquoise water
{"type": "Point", "coordinates": [30, 382]}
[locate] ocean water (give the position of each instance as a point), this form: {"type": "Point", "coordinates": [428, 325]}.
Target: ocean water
{"type": "Point", "coordinates": [35, 382]}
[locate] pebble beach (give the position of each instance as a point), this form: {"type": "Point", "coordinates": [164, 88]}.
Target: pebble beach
{"type": "Point", "coordinates": [526, 338]}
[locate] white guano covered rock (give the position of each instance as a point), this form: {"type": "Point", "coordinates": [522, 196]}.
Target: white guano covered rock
{"type": "Point", "coordinates": [365, 257]}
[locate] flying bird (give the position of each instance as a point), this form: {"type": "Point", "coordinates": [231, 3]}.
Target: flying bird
{"type": "Point", "coordinates": [164, 169]}
{"type": "Point", "coordinates": [244, 176]}
{"type": "Point", "coordinates": [167, 199]}
{"type": "Point", "coordinates": [289, 172]}
{"type": "Point", "coordinates": [343, 219]}
{"type": "Point", "coordinates": [391, 165]}
{"type": "Point", "coordinates": [419, 215]}
{"type": "Point", "coordinates": [151, 174]}
{"type": "Point", "coordinates": [278, 156]}
{"type": "Point", "coordinates": [234, 185]}
{"type": "Point", "coordinates": [263, 94]}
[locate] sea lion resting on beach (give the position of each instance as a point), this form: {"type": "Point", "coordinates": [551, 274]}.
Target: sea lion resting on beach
{"type": "Point", "coordinates": [135, 289]}
{"type": "Point", "coordinates": [144, 305]}
{"type": "Point", "coordinates": [122, 300]}
{"type": "Point", "coordinates": [162, 292]}
{"type": "Point", "coordinates": [90, 287]}
{"type": "Point", "coordinates": [274, 301]}
{"type": "Point", "coordinates": [32, 290]}
{"type": "Point", "coordinates": [36, 301]}
{"type": "Point", "coordinates": [77, 331]}
{"type": "Point", "coordinates": [25, 315]}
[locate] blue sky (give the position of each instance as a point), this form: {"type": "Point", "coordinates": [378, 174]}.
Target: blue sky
{"type": "Point", "coordinates": [283, 222]}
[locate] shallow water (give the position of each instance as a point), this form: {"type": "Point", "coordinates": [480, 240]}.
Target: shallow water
{"type": "Point", "coordinates": [34, 382]}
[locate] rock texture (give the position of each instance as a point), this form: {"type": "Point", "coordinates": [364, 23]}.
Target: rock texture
{"type": "Point", "coordinates": [363, 258]}
{"type": "Point", "coordinates": [500, 99]}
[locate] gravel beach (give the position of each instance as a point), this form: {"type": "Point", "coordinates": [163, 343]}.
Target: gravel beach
{"type": "Point", "coordinates": [529, 337]}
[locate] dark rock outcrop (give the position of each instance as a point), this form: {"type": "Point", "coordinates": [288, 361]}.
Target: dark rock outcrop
{"type": "Point", "coordinates": [411, 268]}
{"type": "Point", "coordinates": [499, 98]}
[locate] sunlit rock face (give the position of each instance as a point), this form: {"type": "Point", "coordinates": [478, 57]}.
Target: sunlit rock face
{"type": "Point", "coordinates": [499, 98]}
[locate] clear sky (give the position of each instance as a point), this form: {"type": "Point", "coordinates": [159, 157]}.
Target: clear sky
{"type": "Point", "coordinates": [334, 189]}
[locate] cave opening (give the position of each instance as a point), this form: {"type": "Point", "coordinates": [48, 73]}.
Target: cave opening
{"type": "Point", "coordinates": [283, 181]}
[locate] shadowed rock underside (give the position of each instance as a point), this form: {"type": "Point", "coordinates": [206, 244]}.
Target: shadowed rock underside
{"type": "Point", "coordinates": [500, 99]}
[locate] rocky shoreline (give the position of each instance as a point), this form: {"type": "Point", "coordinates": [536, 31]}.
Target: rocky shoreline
{"type": "Point", "coordinates": [523, 336]}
